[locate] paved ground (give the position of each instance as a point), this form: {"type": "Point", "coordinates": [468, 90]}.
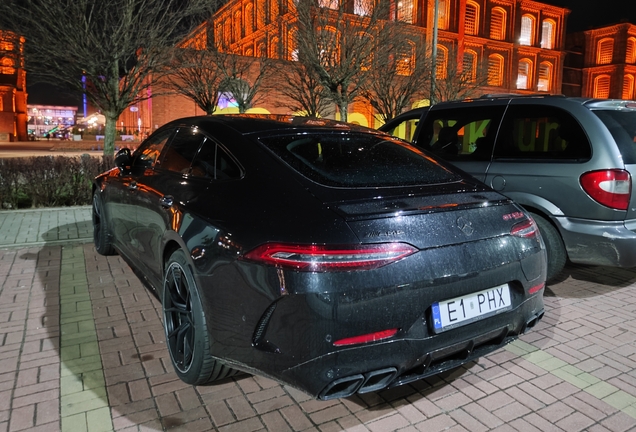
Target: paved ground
{"type": "Point", "coordinates": [82, 348]}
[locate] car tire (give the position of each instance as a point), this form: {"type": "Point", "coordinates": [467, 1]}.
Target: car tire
{"type": "Point", "coordinates": [101, 237]}
{"type": "Point", "coordinates": [184, 323]}
{"type": "Point", "coordinates": [555, 248]}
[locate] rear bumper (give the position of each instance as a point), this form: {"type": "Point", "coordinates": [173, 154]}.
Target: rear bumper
{"type": "Point", "coordinates": [599, 242]}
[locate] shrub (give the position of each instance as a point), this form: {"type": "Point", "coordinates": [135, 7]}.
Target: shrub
{"type": "Point", "coordinates": [49, 181]}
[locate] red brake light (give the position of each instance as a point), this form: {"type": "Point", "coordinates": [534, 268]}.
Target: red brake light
{"type": "Point", "coordinates": [612, 188]}
{"type": "Point", "coordinates": [371, 337]}
{"type": "Point", "coordinates": [316, 258]}
{"type": "Point", "coordinates": [526, 229]}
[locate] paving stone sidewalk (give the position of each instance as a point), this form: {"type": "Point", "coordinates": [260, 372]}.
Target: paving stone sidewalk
{"type": "Point", "coordinates": [82, 349]}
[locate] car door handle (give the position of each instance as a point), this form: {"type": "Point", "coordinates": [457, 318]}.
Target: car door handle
{"type": "Point", "coordinates": [132, 186]}
{"type": "Point", "coordinates": [167, 201]}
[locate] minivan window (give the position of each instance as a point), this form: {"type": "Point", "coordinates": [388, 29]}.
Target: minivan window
{"type": "Point", "coordinates": [542, 133]}
{"type": "Point", "coordinates": [358, 160]}
{"type": "Point", "coordinates": [622, 126]}
{"type": "Point", "coordinates": [461, 134]}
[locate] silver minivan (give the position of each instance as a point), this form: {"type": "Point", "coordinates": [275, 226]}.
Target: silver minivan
{"type": "Point", "coordinates": [569, 161]}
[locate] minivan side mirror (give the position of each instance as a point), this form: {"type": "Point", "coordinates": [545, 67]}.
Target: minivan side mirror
{"type": "Point", "coordinates": [123, 159]}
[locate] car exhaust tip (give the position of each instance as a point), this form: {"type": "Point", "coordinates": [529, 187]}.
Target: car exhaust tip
{"type": "Point", "coordinates": [342, 387]}
{"type": "Point", "coordinates": [377, 380]}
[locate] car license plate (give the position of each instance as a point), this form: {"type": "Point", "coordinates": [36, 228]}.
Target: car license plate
{"type": "Point", "coordinates": [463, 310]}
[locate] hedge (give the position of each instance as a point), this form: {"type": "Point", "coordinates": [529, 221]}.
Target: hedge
{"type": "Point", "coordinates": [49, 181]}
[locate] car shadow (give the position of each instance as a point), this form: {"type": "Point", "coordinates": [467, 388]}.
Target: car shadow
{"type": "Point", "coordinates": [586, 281]}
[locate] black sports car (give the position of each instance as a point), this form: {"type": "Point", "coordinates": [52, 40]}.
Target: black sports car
{"type": "Point", "coordinates": [330, 257]}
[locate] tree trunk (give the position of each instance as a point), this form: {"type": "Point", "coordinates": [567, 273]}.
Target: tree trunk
{"type": "Point", "coordinates": [343, 108]}
{"type": "Point", "coordinates": [110, 133]}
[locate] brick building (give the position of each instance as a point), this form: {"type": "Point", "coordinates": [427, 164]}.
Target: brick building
{"type": "Point", "coordinates": [522, 43]}
{"type": "Point", "coordinates": [601, 62]}
{"type": "Point", "coordinates": [13, 95]}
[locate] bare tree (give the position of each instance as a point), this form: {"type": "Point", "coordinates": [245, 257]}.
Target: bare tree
{"type": "Point", "coordinates": [400, 72]}
{"type": "Point", "coordinates": [198, 77]}
{"type": "Point", "coordinates": [336, 45]}
{"type": "Point", "coordinates": [244, 78]}
{"type": "Point", "coordinates": [118, 46]}
{"type": "Point", "coordinates": [459, 78]}
{"type": "Point", "coordinates": [303, 92]}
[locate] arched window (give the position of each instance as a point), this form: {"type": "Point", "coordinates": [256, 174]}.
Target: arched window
{"type": "Point", "coordinates": [363, 7]}
{"type": "Point", "coordinates": [545, 77]}
{"type": "Point", "coordinates": [249, 18]}
{"type": "Point", "coordinates": [331, 4]}
{"type": "Point", "coordinates": [443, 14]}
{"type": "Point", "coordinates": [218, 33]}
{"type": "Point", "coordinates": [7, 66]}
{"type": "Point", "coordinates": [249, 52]}
{"type": "Point", "coordinates": [630, 55]}
{"type": "Point", "coordinates": [527, 30]}
{"type": "Point", "coordinates": [405, 61]}
{"type": "Point", "coordinates": [628, 87]}
{"type": "Point", "coordinates": [274, 45]}
{"type": "Point", "coordinates": [602, 86]}
{"type": "Point", "coordinates": [495, 70]}
{"type": "Point", "coordinates": [471, 21]}
{"type": "Point", "coordinates": [274, 10]}
{"type": "Point", "coordinates": [260, 15]}
{"type": "Point", "coordinates": [604, 51]}
{"type": "Point", "coordinates": [547, 34]}
{"type": "Point", "coordinates": [292, 45]}
{"type": "Point", "coordinates": [469, 66]}
{"type": "Point", "coordinates": [406, 11]}
{"type": "Point", "coordinates": [524, 74]}
{"type": "Point", "coordinates": [261, 50]}
{"type": "Point", "coordinates": [329, 46]}
{"type": "Point", "coordinates": [441, 63]}
{"type": "Point", "coordinates": [498, 24]}
{"type": "Point", "coordinates": [236, 26]}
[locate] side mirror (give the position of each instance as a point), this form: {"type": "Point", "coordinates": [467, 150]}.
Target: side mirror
{"type": "Point", "coordinates": [123, 159]}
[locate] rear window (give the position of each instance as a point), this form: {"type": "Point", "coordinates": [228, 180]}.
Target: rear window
{"type": "Point", "coordinates": [358, 160]}
{"type": "Point", "coordinates": [622, 126]}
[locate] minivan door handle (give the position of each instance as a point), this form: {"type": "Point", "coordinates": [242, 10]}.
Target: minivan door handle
{"type": "Point", "coordinates": [167, 201]}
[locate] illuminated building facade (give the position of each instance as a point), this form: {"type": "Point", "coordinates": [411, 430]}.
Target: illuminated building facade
{"type": "Point", "coordinates": [519, 43]}
{"type": "Point", "coordinates": [13, 95]}
{"type": "Point", "coordinates": [601, 63]}
{"type": "Point", "coordinates": [49, 119]}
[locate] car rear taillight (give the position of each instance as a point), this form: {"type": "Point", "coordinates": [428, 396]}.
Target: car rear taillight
{"type": "Point", "coordinates": [315, 258]}
{"type": "Point", "coordinates": [612, 188]}
{"type": "Point", "coordinates": [526, 229]}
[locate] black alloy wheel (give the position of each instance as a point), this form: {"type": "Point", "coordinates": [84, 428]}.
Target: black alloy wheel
{"type": "Point", "coordinates": [184, 322]}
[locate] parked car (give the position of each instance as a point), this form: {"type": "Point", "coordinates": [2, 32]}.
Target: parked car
{"type": "Point", "coordinates": [570, 162]}
{"type": "Point", "coordinates": [333, 258]}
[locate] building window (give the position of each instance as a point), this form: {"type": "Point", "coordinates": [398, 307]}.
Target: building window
{"type": "Point", "coordinates": [602, 86]}
{"type": "Point", "coordinates": [261, 50]}
{"type": "Point", "coordinates": [405, 59]}
{"type": "Point", "coordinates": [274, 10]}
{"type": "Point", "coordinates": [331, 4]}
{"type": "Point", "coordinates": [469, 66]}
{"type": "Point", "coordinates": [443, 14]}
{"type": "Point", "coordinates": [498, 24]}
{"type": "Point", "coordinates": [495, 70]}
{"type": "Point", "coordinates": [547, 34]}
{"type": "Point", "coordinates": [628, 87]}
{"type": "Point", "coordinates": [527, 30]}
{"type": "Point", "coordinates": [260, 15]}
{"type": "Point", "coordinates": [441, 65]}
{"type": "Point", "coordinates": [237, 26]}
{"type": "Point", "coordinates": [405, 11]}
{"type": "Point", "coordinates": [249, 18]}
{"type": "Point", "coordinates": [363, 7]}
{"type": "Point", "coordinates": [471, 22]}
{"type": "Point", "coordinates": [545, 77]}
{"type": "Point", "coordinates": [274, 44]}
{"type": "Point", "coordinates": [7, 66]}
{"type": "Point", "coordinates": [604, 51]}
{"type": "Point", "coordinates": [630, 56]}
{"type": "Point", "coordinates": [524, 74]}
{"type": "Point", "coordinates": [292, 45]}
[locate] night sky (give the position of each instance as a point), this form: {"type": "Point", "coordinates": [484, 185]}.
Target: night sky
{"type": "Point", "coordinates": [585, 14]}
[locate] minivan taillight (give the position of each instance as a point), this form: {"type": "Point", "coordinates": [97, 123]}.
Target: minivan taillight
{"type": "Point", "coordinates": [612, 188]}
{"type": "Point", "coordinates": [319, 258]}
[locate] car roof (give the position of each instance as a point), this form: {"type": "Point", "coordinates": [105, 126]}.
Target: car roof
{"type": "Point", "coordinates": [255, 123]}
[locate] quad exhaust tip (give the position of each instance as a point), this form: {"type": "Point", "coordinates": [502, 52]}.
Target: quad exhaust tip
{"type": "Point", "coordinates": [369, 382]}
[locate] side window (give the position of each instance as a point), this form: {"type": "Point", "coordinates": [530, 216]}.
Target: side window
{"type": "Point", "coordinates": [215, 163]}
{"type": "Point", "coordinates": [148, 152]}
{"type": "Point", "coordinates": [404, 129]}
{"type": "Point", "coordinates": [541, 133]}
{"type": "Point", "coordinates": [183, 147]}
{"type": "Point", "coordinates": [461, 134]}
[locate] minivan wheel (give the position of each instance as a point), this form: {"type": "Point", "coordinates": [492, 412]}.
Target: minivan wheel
{"type": "Point", "coordinates": [184, 322]}
{"type": "Point", "coordinates": [555, 248]}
